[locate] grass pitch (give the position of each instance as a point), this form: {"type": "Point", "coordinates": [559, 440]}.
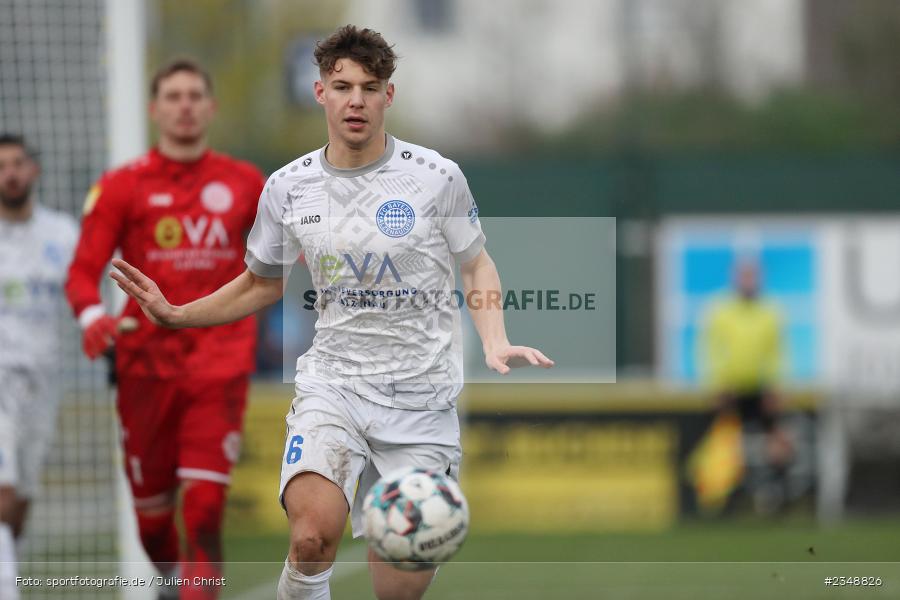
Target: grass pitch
{"type": "Point", "coordinates": [752, 560]}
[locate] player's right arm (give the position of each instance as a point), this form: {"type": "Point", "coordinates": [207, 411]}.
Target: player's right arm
{"type": "Point", "coordinates": [239, 298]}
{"type": "Point", "coordinates": [105, 213]}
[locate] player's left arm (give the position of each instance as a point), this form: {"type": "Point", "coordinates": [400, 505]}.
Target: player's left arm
{"type": "Point", "coordinates": [480, 278]}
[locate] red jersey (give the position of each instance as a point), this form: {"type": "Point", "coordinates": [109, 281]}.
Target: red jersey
{"type": "Point", "coordinates": [184, 225]}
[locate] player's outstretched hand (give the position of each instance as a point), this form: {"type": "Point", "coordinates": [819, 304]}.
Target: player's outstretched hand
{"type": "Point", "coordinates": [145, 291]}
{"type": "Point", "coordinates": [508, 357]}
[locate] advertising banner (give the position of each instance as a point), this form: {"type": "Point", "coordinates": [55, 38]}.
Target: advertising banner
{"type": "Point", "coordinates": [834, 280]}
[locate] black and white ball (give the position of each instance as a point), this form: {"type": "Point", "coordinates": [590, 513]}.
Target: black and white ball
{"type": "Point", "coordinates": [415, 518]}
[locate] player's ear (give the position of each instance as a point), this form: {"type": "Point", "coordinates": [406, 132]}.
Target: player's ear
{"type": "Point", "coordinates": [389, 92]}
{"type": "Point", "coordinates": [151, 110]}
{"type": "Point", "coordinates": [319, 91]}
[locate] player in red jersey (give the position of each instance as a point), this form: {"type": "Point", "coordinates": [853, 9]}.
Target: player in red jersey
{"type": "Point", "coordinates": [180, 212]}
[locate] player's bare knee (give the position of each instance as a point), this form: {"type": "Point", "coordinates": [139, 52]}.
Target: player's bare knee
{"type": "Point", "coordinates": [19, 514]}
{"type": "Point", "coordinates": [7, 501]}
{"type": "Point", "coordinates": [18, 528]}
{"type": "Point", "coordinates": [13, 510]}
{"type": "Point", "coordinates": [311, 552]}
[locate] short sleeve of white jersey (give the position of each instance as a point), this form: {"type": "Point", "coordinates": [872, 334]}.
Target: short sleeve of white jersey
{"type": "Point", "coordinates": [461, 226]}
{"type": "Point", "coordinates": [272, 249]}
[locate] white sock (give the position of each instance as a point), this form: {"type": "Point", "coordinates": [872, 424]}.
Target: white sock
{"type": "Point", "coordinates": [294, 585]}
{"type": "Point", "coordinates": [169, 591]}
{"type": "Point", "coordinates": [8, 566]}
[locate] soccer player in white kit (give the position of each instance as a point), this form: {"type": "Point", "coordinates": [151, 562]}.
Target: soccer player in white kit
{"type": "Point", "coordinates": [36, 246]}
{"type": "Point", "coordinates": [381, 223]}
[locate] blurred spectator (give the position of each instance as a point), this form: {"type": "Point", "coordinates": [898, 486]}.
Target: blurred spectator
{"type": "Point", "coordinates": [743, 356]}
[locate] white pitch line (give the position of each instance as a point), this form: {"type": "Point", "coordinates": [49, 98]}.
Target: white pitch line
{"type": "Point", "coordinates": [349, 561]}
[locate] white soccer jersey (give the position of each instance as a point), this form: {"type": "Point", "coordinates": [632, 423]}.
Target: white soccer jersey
{"type": "Point", "coordinates": [380, 242]}
{"type": "Point", "coordinates": [34, 259]}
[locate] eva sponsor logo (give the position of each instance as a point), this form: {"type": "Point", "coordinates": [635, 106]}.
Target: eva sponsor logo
{"type": "Point", "coordinates": [201, 232]}
{"type": "Point", "coordinates": [332, 267]}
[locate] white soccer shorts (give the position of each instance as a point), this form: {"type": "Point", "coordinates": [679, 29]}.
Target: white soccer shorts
{"type": "Point", "coordinates": [27, 421]}
{"type": "Point", "coordinates": [351, 441]}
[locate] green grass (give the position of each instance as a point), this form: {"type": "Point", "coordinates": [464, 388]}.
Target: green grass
{"type": "Point", "coordinates": [733, 560]}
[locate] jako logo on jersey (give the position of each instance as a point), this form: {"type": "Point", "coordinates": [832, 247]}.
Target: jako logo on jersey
{"type": "Point", "coordinates": [307, 162]}
{"type": "Point", "coordinates": [202, 232]}
{"type": "Point", "coordinates": [217, 197]}
{"type": "Point", "coordinates": [395, 218]}
{"type": "Point", "coordinates": [308, 219]}
{"type": "Point", "coordinates": [160, 200]}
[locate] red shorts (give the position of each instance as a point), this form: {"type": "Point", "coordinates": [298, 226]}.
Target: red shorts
{"type": "Point", "coordinates": [179, 429]}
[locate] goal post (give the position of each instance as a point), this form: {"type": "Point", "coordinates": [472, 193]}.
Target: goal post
{"type": "Point", "coordinates": [72, 81]}
{"type": "Point", "coordinates": [127, 126]}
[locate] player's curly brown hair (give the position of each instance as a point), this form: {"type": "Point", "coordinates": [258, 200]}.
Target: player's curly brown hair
{"type": "Point", "coordinates": [363, 46]}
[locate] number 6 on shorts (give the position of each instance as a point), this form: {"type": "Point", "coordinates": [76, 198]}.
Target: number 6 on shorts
{"type": "Point", "coordinates": [294, 449]}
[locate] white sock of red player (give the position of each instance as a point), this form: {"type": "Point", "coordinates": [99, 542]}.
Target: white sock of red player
{"type": "Point", "coordinates": [294, 585]}
{"type": "Point", "coordinates": [169, 591]}
{"type": "Point", "coordinates": [8, 564]}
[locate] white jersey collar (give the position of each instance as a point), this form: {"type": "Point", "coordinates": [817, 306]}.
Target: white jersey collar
{"type": "Point", "coordinates": [357, 171]}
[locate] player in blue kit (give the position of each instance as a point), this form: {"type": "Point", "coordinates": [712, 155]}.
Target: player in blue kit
{"type": "Point", "coordinates": [382, 224]}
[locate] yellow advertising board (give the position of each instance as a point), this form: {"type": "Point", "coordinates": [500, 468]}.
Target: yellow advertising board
{"type": "Point", "coordinates": [253, 499]}
{"type": "Point", "coordinates": [537, 457]}
{"type": "Point", "coordinates": [570, 476]}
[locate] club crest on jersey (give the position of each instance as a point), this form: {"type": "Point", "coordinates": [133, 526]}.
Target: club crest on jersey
{"type": "Point", "coordinates": [53, 254]}
{"type": "Point", "coordinates": [395, 218]}
{"type": "Point", "coordinates": [216, 197]}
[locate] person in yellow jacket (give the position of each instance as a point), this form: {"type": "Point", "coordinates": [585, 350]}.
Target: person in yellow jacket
{"type": "Point", "coordinates": [742, 342]}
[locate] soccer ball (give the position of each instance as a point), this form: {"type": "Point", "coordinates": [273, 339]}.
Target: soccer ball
{"type": "Point", "coordinates": [415, 518]}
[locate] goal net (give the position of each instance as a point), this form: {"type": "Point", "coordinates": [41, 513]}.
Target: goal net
{"type": "Point", "coordinates": [54, 91]}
